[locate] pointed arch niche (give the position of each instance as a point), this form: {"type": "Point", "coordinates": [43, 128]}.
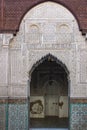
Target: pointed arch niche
{"type": "Point", "coordinates": [49, 94]}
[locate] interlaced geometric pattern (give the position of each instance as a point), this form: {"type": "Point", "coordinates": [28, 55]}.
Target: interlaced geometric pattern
{"type": "Point", "coordinates": [78, 115]}
{"type": "Point", "coordinates": [18, 117]}
{"type": "Point", "coordinates": [2, 117]}
{"type": "Point", "coordinates": [50, 38]}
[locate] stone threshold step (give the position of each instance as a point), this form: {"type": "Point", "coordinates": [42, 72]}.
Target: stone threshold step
{"type": "Point", "coordinates": [48, 128]}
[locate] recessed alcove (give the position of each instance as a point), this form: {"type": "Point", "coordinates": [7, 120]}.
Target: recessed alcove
{"type": "Point", "coordinates": [49, 94]}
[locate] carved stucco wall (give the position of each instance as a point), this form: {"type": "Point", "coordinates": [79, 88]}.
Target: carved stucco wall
{"type": "Point", "coordinates": [19, 53]}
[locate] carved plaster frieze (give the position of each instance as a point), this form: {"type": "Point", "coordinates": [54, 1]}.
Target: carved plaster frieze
{"type": "Point", "coordinates": [62, 55]}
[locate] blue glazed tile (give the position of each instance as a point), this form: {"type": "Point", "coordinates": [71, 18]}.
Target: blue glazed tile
{"type": "Point", "coordinates": [18, 117]}
{"type": "Point", "coordinates": [2, 116]}
{"type": "Point", "coordinates": [78, 117]}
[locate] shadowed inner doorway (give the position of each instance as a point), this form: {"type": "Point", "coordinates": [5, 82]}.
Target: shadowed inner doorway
{"type": "Point", "coordinates": [49, 95]}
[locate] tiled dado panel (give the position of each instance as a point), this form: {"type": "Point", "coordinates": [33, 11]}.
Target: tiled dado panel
{"type": "Point", "coordinates": [14, 115]}
{"type": "Point", "coordinates": [3, 109]}
{"type": "Point", "coordinates": [18, 117]}
{"type": "Point", "coordinates": [78, 116]}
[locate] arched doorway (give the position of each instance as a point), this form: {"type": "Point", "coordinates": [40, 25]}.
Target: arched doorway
{"type": "Point", "coordinates": [49, 94]}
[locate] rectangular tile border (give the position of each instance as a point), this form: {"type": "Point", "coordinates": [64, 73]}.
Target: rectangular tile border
{"type": "Point", "coordinates": [24, 100]}
{"type": "Point", "coordinates": [78, 100]}
{"type": "Point", "coordinates": [14, 101]}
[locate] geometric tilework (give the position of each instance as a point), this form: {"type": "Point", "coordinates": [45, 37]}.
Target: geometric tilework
{"type": "Point", "coordinates": [78, 116]}
{"type": "Point", "coordinates": [2, 116]}
{"type": "Point", "coordinates": [18, 117]}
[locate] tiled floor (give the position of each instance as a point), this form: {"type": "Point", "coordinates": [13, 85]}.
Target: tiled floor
{"type": "Point", "coordinates": [49, 122]}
